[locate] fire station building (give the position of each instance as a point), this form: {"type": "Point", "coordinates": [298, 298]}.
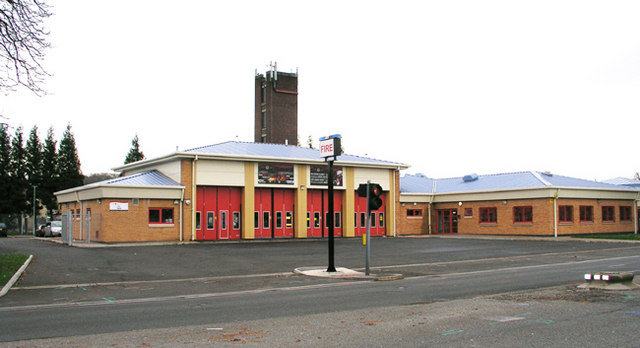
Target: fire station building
{"type": "Point", "coordinates": [232, 190]}
{"type": "Point", "coordinates": [522, 203]}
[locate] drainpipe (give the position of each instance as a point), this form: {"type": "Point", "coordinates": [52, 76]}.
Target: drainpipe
{"type": "Point", "coordinates": [555, 214]}
{"type": "Point", "coordinates": [181, 216]}
{"type": "Point", "coordinates": [635, 214]}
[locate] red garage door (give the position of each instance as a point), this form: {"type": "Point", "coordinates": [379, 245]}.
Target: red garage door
{"type": "Point", "coordinates": [273, 214]}
{"type": "Point", "coordinates": [318, 213]}
{"type": "Point", "coordinates": [378, 218]}
{"type": "Point", "coordinates": [218, 213]}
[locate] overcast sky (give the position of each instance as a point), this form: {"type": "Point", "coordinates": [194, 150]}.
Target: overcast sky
{"type": "Point", "coordinates": [447, 87]}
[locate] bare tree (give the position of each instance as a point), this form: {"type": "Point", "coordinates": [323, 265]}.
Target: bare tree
{"type": "Point", "coordinates": [22, 44]}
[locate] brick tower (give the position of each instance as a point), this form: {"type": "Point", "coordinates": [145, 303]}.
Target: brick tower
{"type": "Point", "coordinates": [276, 107]}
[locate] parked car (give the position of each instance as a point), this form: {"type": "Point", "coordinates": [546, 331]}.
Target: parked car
{"type": "Point", "coordinates": [40, 231]}
{"type": "Point", "coordinates": [3, 229]}
{"type": "Point", "coordinates": [53, 229]}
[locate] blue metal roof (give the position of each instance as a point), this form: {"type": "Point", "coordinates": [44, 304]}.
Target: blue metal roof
{"type": "Point", "coordinates": [148, 178]}
{"type": "Point", "coordinates": [275, 151]}
{"type": "Point", "coordinates": [626, 182]}
{"type": "Point", "coordinates": [494, 182]}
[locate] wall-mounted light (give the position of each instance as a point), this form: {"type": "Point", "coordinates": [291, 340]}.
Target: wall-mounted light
{"type": "Point", "coordinates": [176, 202]}
{"type": "Point", "coordinates": [302, 187]}
{"type": "Point", "coordinates": [187, 201]}
{"type": "Point", "coordinates": [504, 202]}
{"type": "Point", "coordinates": [459, 204]}
{"type": "Point", "coordinates": [99, 201]}
{"type": "Point", "coordinates": [414, 203]}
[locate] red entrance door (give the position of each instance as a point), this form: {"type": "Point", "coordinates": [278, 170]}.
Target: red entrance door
{"type": "Point", "coordinates": [378, 218]}
{"type": "Point", "coordinates": [273, 214]}
{"type": "Point", "coordinates": [262, 213]}
{"type": "Point", "coordinates": [447, 220]}
{"type": "Point", "coordinates": [218, 213]}
{"type": "Point", "coordinates": [318, 213]}
{"type": "Point", "coordinates": [283, 213]}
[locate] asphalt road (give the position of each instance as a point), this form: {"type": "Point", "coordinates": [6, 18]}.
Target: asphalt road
{"type": "Point", "coordinates": [116, 290]}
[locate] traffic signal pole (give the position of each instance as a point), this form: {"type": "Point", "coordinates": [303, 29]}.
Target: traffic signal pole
{"type": "Point", "coordinates": [368, 252]}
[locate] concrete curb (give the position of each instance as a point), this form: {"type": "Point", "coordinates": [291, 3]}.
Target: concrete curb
{"type": "Point", "coordinates": [609, 281]}
{"type": "Point", "coordinates": [345, 273]}
{"type": "Point", "coordinates": [15, 277]}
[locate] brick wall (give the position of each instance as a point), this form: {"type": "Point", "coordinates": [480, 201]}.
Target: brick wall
{"type": "Point", "coordinates": [281, 106]}
{"type": "Point", "coordinates": [408, 225]}
{"type": "Point", "coordinates": [131, 225]}
{"type": "Point", "coordinates": [542, 223]}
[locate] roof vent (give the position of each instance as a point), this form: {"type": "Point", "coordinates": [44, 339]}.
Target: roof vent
{"type": "Point", "coordinates": [470, 177]}
{"type": "Point", "coordinates": [547, 173]}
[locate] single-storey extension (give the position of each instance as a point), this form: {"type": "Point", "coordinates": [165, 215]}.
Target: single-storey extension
{"type": "Point", "coordinates": [523, 203]}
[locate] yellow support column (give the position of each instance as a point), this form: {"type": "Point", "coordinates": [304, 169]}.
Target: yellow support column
{"type": "Point", "coordinates": [391, 204]}
{"type": "Point", "coordinates": [248, 201]}
{"type": "Point", "coordinates": [348, 203]}
{"type": "Point", "coordinates": [301, 203]}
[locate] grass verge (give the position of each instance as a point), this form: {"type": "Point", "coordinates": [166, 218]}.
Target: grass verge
{"type": "Point", "coordinates": [621, 236]}
{"type": "Point", "coordinates": [9, 264]}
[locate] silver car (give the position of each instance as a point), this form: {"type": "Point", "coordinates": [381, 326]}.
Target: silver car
{"type": "Point", "coordinates": [53, 229]}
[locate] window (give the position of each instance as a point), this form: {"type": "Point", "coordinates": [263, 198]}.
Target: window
{"type": "Point", "coordinates": [210, 220]}
{"type": "Point", "coordinates": [380, 219]}
{"type": "Point", "coordinates": [316, 220]}
{"type": "Point", "coordinates": [289, 219]}
{"type": "Point", "coordinates": [223, 220]}
{"type": "Point", "coordinates": [414, 212]}
{"type": "Point", "coordinates": [565, 213]}
{"type": "Point", "coordinates": [363, 219]}
{"type": "Point", "coordinates": [586, 213]}
{"type": "Point", "coordinates": [489, 215]}
{"type": "Point", "coordinates": [336, 219]}
{"type": "Point", "coordinates": [256, 219]}
{"type": "Point", "coordinates": [160, 215]}
{"type": "Point", "coordinates": [308, 220]}
{"type": "Point", "coordinates": [355, 220]}
{"type": "Point", "coordinates": [326, 220]}
{"type": "Point", "coordinates": [266, 218]}
{"type": "Point", "coordinates": [198, 221]}
{"type": "Point", "coordinates": [278, 219]}
{"type": "Point", "coordinates": [468, 212]}
{"type": "Point", "coordinates": [523, 214]}
{"type": "Point", "coordinates": [373, 219]}
{"type": "Point", "coordinates": [625, 214]}
{"type": "Point", "coordinates": [236, 220]}
{"type": "Point", "coordinates": [608, 214]}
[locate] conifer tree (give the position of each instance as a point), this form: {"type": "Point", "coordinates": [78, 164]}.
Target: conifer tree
{"type": "Point", "coordinates": [33, 151]}
{"type": "Point", "coordinates": [5, 177]}
{"type": "Point", "coordinates": [68, 165]}
{"type": "Point", "coordinates": [18, 174]}
{"type": "Point", "coordinates": [134, 154]}
{"type": "Point", "coordinates": [49, 173]}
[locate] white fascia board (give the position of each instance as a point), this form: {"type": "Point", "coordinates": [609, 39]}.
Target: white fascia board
{"type": "Point", "coordinates": [89, 192]}
{"type": "Point", "coordinates": [415, 197]}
